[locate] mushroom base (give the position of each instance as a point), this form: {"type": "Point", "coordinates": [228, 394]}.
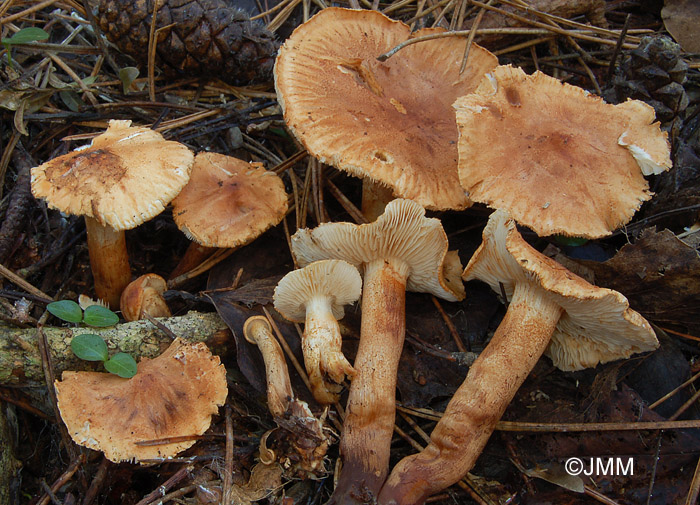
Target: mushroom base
{"type": "Point", "coordinates": [109, 261]}
{"type": "Point", "coordinates": [369, 421]}
{"type": "Point", "coordinates": [472, 414]}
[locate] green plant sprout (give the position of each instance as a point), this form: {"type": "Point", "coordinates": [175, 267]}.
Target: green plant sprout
{"type": "Point", "coordinates": [89, 346]}
{"type": "Point", "coordinates": [24, 36]}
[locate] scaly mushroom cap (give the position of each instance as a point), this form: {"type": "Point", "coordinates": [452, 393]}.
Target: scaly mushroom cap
{"type": "Point", "coordinates": [334, 279]}
{"type": "Point", "coordinates": [172, 395]}
{"type": "Point", "coordinates": [124, 178]}
{"type": "Point", "coordinates": [402, 232]}
{"type": "Point", "coordinates": [228, 202]}
{"type": "Point", "coordinates": [557, 158]}
{"type": "Point", "coordinates": [597, 324]}
{"type": "Point", "coordinates": [388, 121]}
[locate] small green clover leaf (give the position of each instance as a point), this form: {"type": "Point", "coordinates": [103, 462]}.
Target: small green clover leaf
{"type": "Point", "coordinates": [67, 310]}
{"type": "Point", "coordinates": [121, 364]}
{"type": "Point", "coordinates": [24, 36]}
{"type": "Point", "coordinates": [99, 317]}
{"type": "Point", "coordinates": [89, 347]}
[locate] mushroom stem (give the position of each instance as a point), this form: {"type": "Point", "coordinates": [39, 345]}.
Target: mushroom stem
{"type": "Point", "coordinates": [193, 257]}
{"type": "Point", "coordinates": [369, 421]}
{"type": "Point", "coordinates": [323, 356]}
{"type": "Point", "coordinates": [375, 196]}
{"type": "Point", "coordinates": [472, 414]}
{"type": "Point", "coordinates": [257, 331]}
{"type": "Point", "coordinates": [109, 261]}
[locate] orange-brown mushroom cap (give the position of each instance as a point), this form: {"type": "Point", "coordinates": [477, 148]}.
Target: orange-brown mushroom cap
{"type": "Point", "coordinates": [228, 202]}
{"type": "Point", "coordinates": [389, 121]}
{"type": "Point", "coordinates": [172, 395]}
{"type": "Point", "coordinates": [126, 176]}
{"type": "Point", "coordinates": [144, 295]}
{"type": "Point", "coordinates": [557, 158]}
{"type": "Point", "coordinates": [596, 325]}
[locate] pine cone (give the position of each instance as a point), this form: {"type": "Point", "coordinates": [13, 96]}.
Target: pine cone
{"type": "Point", "coordinates": [209, 38]}
{"type": "Point", "coordinates": [654, 73]}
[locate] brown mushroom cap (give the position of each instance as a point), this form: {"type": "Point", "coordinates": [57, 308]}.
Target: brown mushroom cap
{"type": "Point", "coordinates": [554, 156]}
{"type": "Point", "coordinates": [172, 395]}
{"type": "Point", "coordinates": [596, 325]}
{"type": "Point", "coordinates": [336, 280]}
{"type": "Point", "coordinates": [388, 121]}
{"type": "Point", "coordinates": [144, 295]}
{"type": "Point", "coordinates": [228, 202]}
{"type": "Point", "coordinates": [402, 233]}
{"type": "Point", "coordinates": [124, 178]}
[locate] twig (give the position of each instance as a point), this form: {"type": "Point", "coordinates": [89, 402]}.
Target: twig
{"type": "Point", "coordinates": [616, 51]}
{"type": "Point", "coordinates": [470, 38]}
{"type": "Point", "coordinates": [343, 200]}
{"type": "Point", "coordinates": [674, 391]}
{"type": "Point", "coordinates": [64, 478]}
{"type": "Point", "coordinates": [16, 279]}
{"type": "Point", "coordinates": [97, 482]}
{"type": "Point", "coordinates": [694, 487]}
{"type": "Point", "coordinates": [653, 470]}
{"type": "Point", "coordinates": [450, 325]}
{"type": "Point", "coordinates": [160, 491]}
{"type": "Point", "coordinates": [26, 12]}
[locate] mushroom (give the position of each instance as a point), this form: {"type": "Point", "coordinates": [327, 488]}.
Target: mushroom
{"type": "Point", "coordinates": [402, 250]}
{"type": "Point", "coordinates": [302, 434]}
{"type": "Point", "coordinates": [173, 395]}
{"type": "Point", "coordinates": [389, 122]}
{"type": "Point", "coordinates": [316, 295]}
{"type": "Point", "coordinates": [228, 202]}
{"type": "Point", "coordinates": [124, 178]}
{"type": "Point", "coordinates": [551, 311]}
{"type": "Point", "coordinates": [144, 295]}
{"type": "Point", "coordinates": [257, 331]}
{"type": "Point", "coordinates": [568, 153]}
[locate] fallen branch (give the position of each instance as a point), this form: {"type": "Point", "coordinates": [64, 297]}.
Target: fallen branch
{"type": "Point", "coordinates": [20, 360]}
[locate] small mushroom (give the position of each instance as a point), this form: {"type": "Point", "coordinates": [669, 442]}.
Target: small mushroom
{"type": "Point", "coordinates": [551, 311]}
{"type": "Point", "coordinates": [144, 295]}
{"type": "Point", "coordinates": [301, 436]}
{"type": "Point", "coordinates": [173, 395]}
{"type": "Point", "coordinates": [388, 122]}
{"type": "Point", "coordinates": [124, 178]}
{"type": "Point", "coordinates": [564, 162]}
{"type": "Point", "coordinates": [257, 331]}
{"type": "Point", "coordinates": [316, 295]}
{"type": "Point", "coordinates": [227, 203]}
{"type": "Point", "coordinates": [402, 250]}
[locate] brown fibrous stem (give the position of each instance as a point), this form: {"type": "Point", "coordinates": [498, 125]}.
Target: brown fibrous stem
{"type": "Point", "coordinates": [369, 420]}
{"type": "Point", "coordinates": [472, 414]}
{"type": "Point", "coordinates": [257, 330]}
{"type": "Point", "coordinates": [109, 261]}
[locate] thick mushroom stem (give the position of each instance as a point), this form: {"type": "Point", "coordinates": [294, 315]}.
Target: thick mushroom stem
{"type": "Point", "coordinates": [472, 414]}
{"type": "Point", "coordinates": [323, 356]}
{"type": "Point", "coordinates": [257, 331]}
{"type": "Point", "coordinates": [369, 421]}
{"type": "Point", "coordinates": [109, 261]}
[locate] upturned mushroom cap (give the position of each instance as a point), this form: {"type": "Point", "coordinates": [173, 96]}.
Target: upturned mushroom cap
{"type": "Point", "coordinates": [402, 233]}
{"type": "Point", "coordinates": [124, 178]}
{"type": "Point", "coordinates": [557, 158]}
{"type": "Point", "coordinates": [334, 279]}
{"type": "Point", "coordinates": [228, 202]}
{"type": "Point", "coordinates": [144, 295]}
{"type": "Point", "coordinates": [596, 325]}
{"type": "Point", "coordinates": [172, 395]}
{"type": "Point", "coordinates": [387, 121]}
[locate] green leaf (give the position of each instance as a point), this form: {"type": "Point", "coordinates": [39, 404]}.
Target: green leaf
{"type": "Point", "coordinates": [67, 310]}
{"type": "Point", "coordinates": [25, 35]}
{"type": "Point", "coordinates": [89, 347]}
{"type": "Point", "coordinates": [127, 75]}
{"type": "Point", "coordinates": [71, 100]}
{"type": "Point", "coordinates": [99, 316]}
{"type": "Point", "coordinates": [121, 364]}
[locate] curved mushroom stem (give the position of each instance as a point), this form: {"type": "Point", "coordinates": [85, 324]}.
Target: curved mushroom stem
{"type": "Point", "coordinates": [109, 261]}
{"type": "Point", "coordinates": [321, 345]}
{"type": "Point", "coordinates": [472, 414]}
{"type": "Point", "coordinates": [257, 331]}
{"type": "Point", "coordinates": [369, 421]}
